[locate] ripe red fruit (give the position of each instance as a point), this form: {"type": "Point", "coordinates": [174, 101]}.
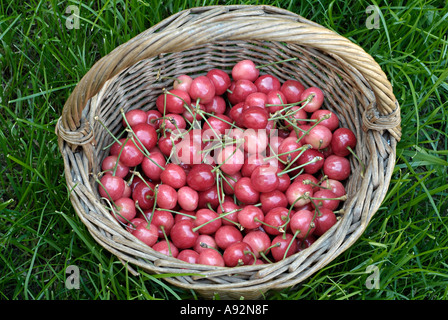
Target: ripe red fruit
{"type": "Point", "coordinates": [250, 217]}
{"type": "Point", "coordinates": [220, 79]}
{"type": "Point", "coordinates": [331, 123]}
{"type": "Point", "coordinates": [335, 186]}
{"type": "Point", "coordinates": [302, 223]}
{"type": "Point", "coordinates": [227, 235]}
{"type": "Point", "coordinates": [255, 118]}
{"type": "Point", "coordinates": [272, 199]}
{"type": "Point", "coordinates": [134, 117]}
{"type": "Point", "coordinates": [245, 70]}
{"type": "Point", "coordinates": [264, 178]}
{"type": "Point", "coordinates": [143, 195]}
{"type": "Point", "coordinates": [325, 199]}
{"type": "Point", "coordinates": [309, 159]}
{"type": "Point", "coordinates": [182, 82]}
{"type": "Point", "coordinates": [276, 221]}
{"type": "Point", "coordinates": [325, 219]}
{"type": "Point", "coordinates": [182, 234]}
{"type": "Point", "coordinates": [245, 192]}
{"type": "Point", "coordinates": [153, 118]}
{"type": "Point", "coordinates": [259, 241]}
{"type": "Point", "coordinates": [187, 198]}
{"type": "Point", "coordinates": [342, 139]}
{"type": "Point", "coordinates": [317, 99]}
{"type": "Point", "coordinates": [299, 194]}
{"type": "Point", "coordinates": [203, 242]}
{"type": "Point", "coordinates": [255, 141]}
{"type": "Point", "coordinates": [240, 89]}
{"type": "Point", "coordinates": [256, 99]}
{"type": "Point", "coordinates": [162, 219]}
{"type": "Point", "coordinates": [111, 187]}
{"type": "Point", "coordinates": [166, 196]}
{"type": "Point", "coordinates": [266, 83]}
{"type": "Point", "coordinates": [111, 162]}
{"type": "Point", "coordinates": [189, 256]}
{"type": "Point", "coordinates": [276, 101]}
{"type": "Point", "coordinates": [201, 177]}
{"type": "Point", "coordinates": [238, 254]}
{"type": "Point", "coordinates": [292, 89]}
{"type": "Point", "coordinates": [319, 137]}
{"type": "Point", "coordinates": [152, 165]}
{"type": "Point", "coordinates": [207, 221]}
{"type": "Point", "coordinates": [230, 159]}
{"type": "Point", "coordinates": [124, 210]}
{"type": "Point", "coordinates": [145, 136]}
{"type": "Point", "coordinates": [336, 167]}
{"type": "Point", "coordinates": [129, 154]}
{"type": "Point", "coordinates": [173, 101]}
{"type": "Point", "coordinates": [167, 248]}
{"type": "Point", "coordinates": [202, 88]}
{"type": "Point", "coordinates": [216, 106]}
{"type": "Point", "coordinates": [289, 149]}
{"type": "Point", "coordinates": [174, 175]}
{"type": "Point", "coordinates": [281, 244]}
{"type": "Point", "coordinates": [147, 233]}
{"type": "Point", "coordinates": [228, 210]}
{"type": "Point", "coordinates": [211, 257]}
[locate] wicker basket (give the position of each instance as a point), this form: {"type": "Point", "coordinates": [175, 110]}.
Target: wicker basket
{"type": "Point", "coordinates": [192, 42]}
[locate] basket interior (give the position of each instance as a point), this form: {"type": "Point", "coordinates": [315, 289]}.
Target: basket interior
{"type": "Point", "coordinates": [346, 93]}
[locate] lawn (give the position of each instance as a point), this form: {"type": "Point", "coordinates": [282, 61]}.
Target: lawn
{"type": "Point", "coordinates": [42, 58]}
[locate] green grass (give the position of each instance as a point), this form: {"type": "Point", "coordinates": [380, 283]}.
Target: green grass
{"type": "Point", "coordinates": [40, 235]}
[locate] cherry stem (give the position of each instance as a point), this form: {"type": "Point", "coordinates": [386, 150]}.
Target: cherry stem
{"type": "Point", "coordinates": [276, 62]}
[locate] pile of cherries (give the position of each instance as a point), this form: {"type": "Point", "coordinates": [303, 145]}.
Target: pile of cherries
{"type": "Point", "coordinates": [230, 168]}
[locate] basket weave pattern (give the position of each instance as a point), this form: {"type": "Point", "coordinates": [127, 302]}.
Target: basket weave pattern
{"type": "Point", "coordinates": [192, 42]}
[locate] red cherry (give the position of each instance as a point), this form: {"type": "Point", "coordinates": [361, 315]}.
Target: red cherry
{"type": "Point", "coordinates": [146, 136]}
{"type": "Point", "coordinates": [173, 101]}
{"type": "Point", "coordinates": [153, 118]}
{"type": "Point", "coordinates": [240, 90]}
{"type": "Point", "coordinates": [111, 162]}
{"type": "Point", "coordinates": [302, 223]}
{"type": "Point", "coordinates": [284, 181]}
{"type": "Point", "coordinates": [336, 167]}
{"type": "Point", "coordinates": [230, 159]}
{"type": "Point", "coordinates": [134, 117]}
{"type": "Point", "coordinates": [282, 244]}
{"type": "Point", "coordinates": [289, 149]}
{"type": "Point", "coordinates": [250, 217]}
{"type": "Point", "coordinates": [183, 82]}
{"type": "Point", "coordinates": [255, 118]}
{"type": "Point", "coordinates": [309, 161]}
{"type": "Point", "coordinates": [201, 177]}
{"type": "Point", "coordinates": [174, 175]}
{"type": "Point", "coordinates": [295, 116]}
{"type": "Point", "coordinates": [319, 137]}
{"type": "Point", "coordinates": [266, 83]}
{"type": "Point", "coordinates": [331, 123]}
{"type": "Point", "coordinates": [236, 113]}
{"type": "Point", "coordinates": [173, 122]}
{"type": "Point", "coordinates": [162, 219]}
{"type": "Point", "coordinates": [325, 199]}
{"type": "Point", "coordinates": [130, 155]}
{"type": "Point", "coordinates": [227, 235]}
{"type": "Point", "coordinates": [335, 186]}
{"type": "Point", "coordinates": [256, 99]}
{"type": "Point", "coordinates": [229, 182]}
{"type": "Point", "coordinates": [187, 151]}
{"type": "Point", "coordinates": [303, 244]}
{"type": "Point", "coordinates": [202, 88]}
{"type": "Point", "coordinates": [189, 256]}
{"type": "Point", "coordinates": [292, 89]}
{"type": "Point", "coordinates": [166, 197]}
{"type": "Point", "coordinates": [208, 198]}
{"type": "Point", "coordinates": [245, 192]}
{"type": "Point", "coordinates": [298, 193]}
{"type": "Point", "coordinates": [259, 241]}
{"type": "Point", "coordinates": [216, 106]}
{"type": "Point", "coordinates": [342, 139]}
{"type": "Point", "coordinates": [228, 210]}
{"type": "Point", "coordinates": [187, 198]}
{"type": "Point", "coordinates": [317, 99]}
{"type": "Point", "coordinates": [124, 210]}
{"type": "Point", "coordinates": [238, 254]}
{"type": "Point", "coordinates": [194, 112]}
{"type": "Point", "coordinates": [272, 199]}
{"type": "Point", "coordinates": [246, 70]}
{"type": "Point", "coordinates": [111, 187]}
{"type": "Point", "coordinates": [255, 141]}
{"type": "Point", "coordinates": [220, 79]}
{"type": "Point", "coordinates": [207, 221]}
{"type": "Point", "coordinates": [264, 178]}
{"type": "Point", "coordinates": [211, 257]}
{"type": "Point", "coordinates": [203, 242]}
{"type": "Point", "coordinates": [276, 220]}
{"type": "Point", "coordinates": [152, 165]}
{"type": "Point", "coordinates": [167, 248]}
{"type": "Point", "coordinates": [134, 223]}
{"type": "Point", "coordinates": [147, 233]}
{"type": "Point", "coordinates": [276, 100]}
{"type": "Point", "coordinates": [182, 234]}
{"type": "Point", "coordinates": [218, 123]}
{"type": "Point", "coordinates": [325, 219]}
{"type": "Point", "coordinates": [143, 195]}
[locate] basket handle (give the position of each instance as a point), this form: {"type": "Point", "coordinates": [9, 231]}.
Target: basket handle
{"type": "Point", "coordinates": [196, 26]}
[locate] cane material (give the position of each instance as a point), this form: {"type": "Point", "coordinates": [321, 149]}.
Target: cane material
{"type": "Point", "coordinates": [192, 42]}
